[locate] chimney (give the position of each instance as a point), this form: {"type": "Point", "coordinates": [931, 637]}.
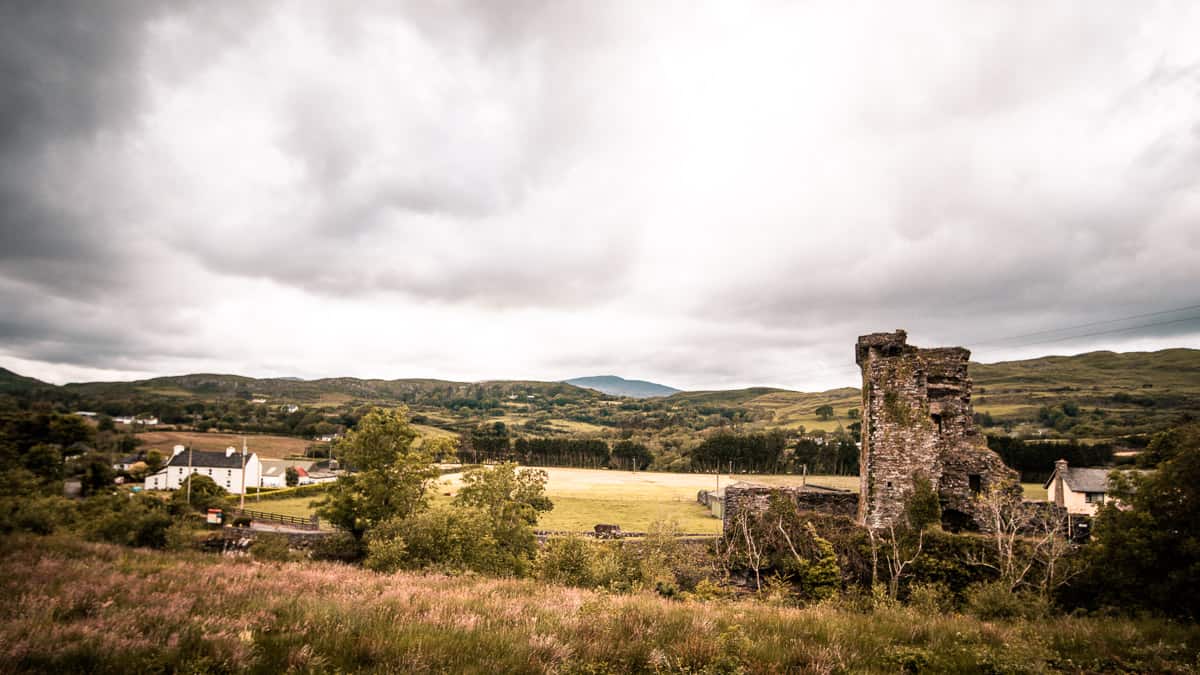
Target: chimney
{"type": "Point", "coordinates": [229, 451]}
{"type": "Point", "coordinates": [176, 450]}
{"type": "Point", "coordinates": [1060, 468]}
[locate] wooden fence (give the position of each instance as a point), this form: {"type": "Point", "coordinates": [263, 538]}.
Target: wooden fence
{"type": "Point", "coordinates": [310, 523]}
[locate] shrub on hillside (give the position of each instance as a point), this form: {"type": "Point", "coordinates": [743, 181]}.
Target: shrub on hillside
{"type": "Point", "coordinates": [337, 547]}
{"type": "Point", "coordinates": [996, 600]}
{"type": "Point", "coordinates": [269, 546]}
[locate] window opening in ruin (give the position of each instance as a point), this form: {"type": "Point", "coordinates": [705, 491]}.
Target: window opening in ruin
{"type": "Point", "coordinates": [975, 482]}
{"type": "Point", "coordinates": [937, 419]}
{"type": "Point", "coordinates": [889, 483]}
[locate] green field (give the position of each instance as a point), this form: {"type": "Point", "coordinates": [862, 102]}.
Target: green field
{"type": "Point", "coordinates": [584, 498]}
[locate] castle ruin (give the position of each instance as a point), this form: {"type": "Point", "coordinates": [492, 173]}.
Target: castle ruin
{"type": "Point", "coordinates": [917, 420]}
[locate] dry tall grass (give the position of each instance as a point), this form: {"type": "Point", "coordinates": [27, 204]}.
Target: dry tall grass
{"type": "Point", "coordinates": [73, 606]}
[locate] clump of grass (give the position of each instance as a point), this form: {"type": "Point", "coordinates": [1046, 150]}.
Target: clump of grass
{"type": "Point", "coordinates": [74, 606]}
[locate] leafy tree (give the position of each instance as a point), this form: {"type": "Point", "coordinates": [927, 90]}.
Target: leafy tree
{"type": "Point", "coordinates": [632, 454]}
{"type": "Point", "coordinates": [95, 473]}
{"type": "Point", "coordinates": [441, 448]}
{"type": "Point", "coordinates": [105, 423]}
{"type": "Point", "coordinates": [291, 477]}
{"type": "Point", "coordinates": [66, 430]}
{"type": "Point", "coordinates": [1145, 547]}
{"type": "Point", "coordinates": [154, 461]}
{"type": "Point", "coordinates": [392, 475]}
{"type": "Point", "coordinates": [506, 493]}
{"type": "Point", "coordinates": [454, 538]}
{"type": "Point", "coordinates": [1169, 444]}
{"type": "Point", "coordinates": [825, 412]}
{"type": "Point", "coordinates": [205, 494]}
{"type": "Point", "coordinates": [45, 460]}
{"type": "Point", "coordinates": [853, 413]}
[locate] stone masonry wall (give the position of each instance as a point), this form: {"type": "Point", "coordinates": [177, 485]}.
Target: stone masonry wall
{"type": "Point", "coordinates": [918, 420]}
{"type": "Point", "coordinates": [751, 498]}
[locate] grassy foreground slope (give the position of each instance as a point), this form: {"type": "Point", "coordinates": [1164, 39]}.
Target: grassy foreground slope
{"type": "Point", "coordinates": [77, 607]}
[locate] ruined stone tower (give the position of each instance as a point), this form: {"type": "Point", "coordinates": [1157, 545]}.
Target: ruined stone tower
{"type": "Point", "coordinates": [917, 419]}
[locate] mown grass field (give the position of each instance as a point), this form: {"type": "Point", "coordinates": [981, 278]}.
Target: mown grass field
{"type": "Point", "coordinates": [585, 497]}
{"type": "Point", "coordinates": [267, 447]}
{"type": "Point", "coordinates": [71, 606]}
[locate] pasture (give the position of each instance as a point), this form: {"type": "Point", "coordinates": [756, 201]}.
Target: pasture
{"type": "Point", "coordinates": [267, 447]}
{"type": "Point", "coordinates": [584, 497]}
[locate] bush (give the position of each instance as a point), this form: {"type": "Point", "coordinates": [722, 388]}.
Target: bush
{"type": "Point", "coordinates": [566, 560]}
{"type": "Point", "coordinates": [37, 515]}
{"type": "Point", "coordinates": [271, 547]}
{"type": "Point", "coordinates": [133, 520]}
{"type": "Point", "coordinates": [337, 547]}
{"type": "Point", "coordinates": [181, 535]}
{"type": "Point", "coordinates": [931, 598]}
{"type": "Point", "coordinates": [996, 600]}
{"type": "Point", "coordinates": [450, 539]}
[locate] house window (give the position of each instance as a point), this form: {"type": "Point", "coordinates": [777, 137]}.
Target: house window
{"type": "Point", "coordinates": [1094, 497]}
{"type": "Point", "coordinates": [975, 482]}
{"type": "Point", "coordinates": [228, 472]}
{"type": "Point", "coordinates": [210, 472]}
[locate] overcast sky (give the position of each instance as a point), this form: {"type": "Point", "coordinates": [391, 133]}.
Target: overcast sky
{"type": "Point", "coordinates": [708, 195]}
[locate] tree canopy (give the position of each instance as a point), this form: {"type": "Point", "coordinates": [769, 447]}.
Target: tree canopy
{"type": "Point", "coordinates": [391, 474]}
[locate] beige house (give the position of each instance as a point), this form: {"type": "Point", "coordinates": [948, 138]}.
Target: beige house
{"type": "Point", "coordinates": [1079, 491]}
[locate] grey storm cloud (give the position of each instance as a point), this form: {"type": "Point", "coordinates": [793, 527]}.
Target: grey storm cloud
{"type": "Point", "coordinates": [712, 194]}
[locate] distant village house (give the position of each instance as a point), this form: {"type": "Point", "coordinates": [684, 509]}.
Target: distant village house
{"type": "Point", "coordinates": [1080, 491]}
{"type": "Point", "coordinates": [225, 468]}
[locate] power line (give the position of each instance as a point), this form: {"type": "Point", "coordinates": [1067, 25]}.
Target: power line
{"type": "Point", "coordinates": [1085, 325]}
{"type": "Point", "coordinates": [1108, 332]}
{"type": "Point", "coordinates": [853, 369]}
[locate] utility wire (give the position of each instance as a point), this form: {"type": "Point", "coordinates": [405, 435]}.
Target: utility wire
{"type": "Point", "coordinates": [851, 369]}
{"type": "Point", "coordinates": [1108, 332]}
{"type": "Point", "coordinates": [1084, 325]}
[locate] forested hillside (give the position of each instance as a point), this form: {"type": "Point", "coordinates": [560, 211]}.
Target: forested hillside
{"type": "Point", "coordinates": [1101, 397]}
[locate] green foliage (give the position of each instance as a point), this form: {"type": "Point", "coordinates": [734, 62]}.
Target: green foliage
{"type": "Point", "coordinates": [271, 546]}
{"type": "Point", "coordinates": [45, 461]}
{"type": "Point", "coordinates": [95, 474]}
{"type": "Point", "coordinates": [337, 547]}
{"type": "Point", "coordinates": [996, 600]}
{"type": "Point", "coordinates": [1169, 445]}
{"type": "Point", "coordinates": [154, 461]}
{"type": "Point", "coordinates": [506, 493]}
{"type": "Point", "coordinates": [204, 494]}
{"type": "Point", "coordinates": [392, 475]}
{"type": "Point", "coordinates": [131, 520]}
{"type": "Point", "coordinates": [922, 508]}
{"type": "Point", "coordinates": [1145, 546]}
{"type": "Point", "coordinates": [449, 539]}
{"type": "Point", "coordinates": [488, 527]}
{"type": "Point", "coordinates": [567, 560]}
{"type": "Point", "coordinates": [824, 412]}
{"type": "Point", "coordinates": [36, 514]}
{"type": "Point", "coordinates": [291, 477]}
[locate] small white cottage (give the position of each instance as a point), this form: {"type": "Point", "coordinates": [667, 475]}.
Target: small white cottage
{"type": "Point", "coordinates": [225, 468]}
{"type": "Point", "coordinates": [1079, 491]}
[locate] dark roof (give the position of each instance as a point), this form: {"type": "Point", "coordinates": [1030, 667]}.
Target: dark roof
{"type": "Point", "coordinates": [206, 458]}
{"type": "Point", "coordinates": [1083, 480]}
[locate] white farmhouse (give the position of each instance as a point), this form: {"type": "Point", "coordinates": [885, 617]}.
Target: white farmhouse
{"type": "Point", "coordinates": [225, 468]}
{"type": "Point", "coordinates": [1079, 491]}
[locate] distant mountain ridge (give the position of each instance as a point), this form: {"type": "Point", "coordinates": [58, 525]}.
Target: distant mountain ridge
{"type": "Point", "coordinates": [619, 386]}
